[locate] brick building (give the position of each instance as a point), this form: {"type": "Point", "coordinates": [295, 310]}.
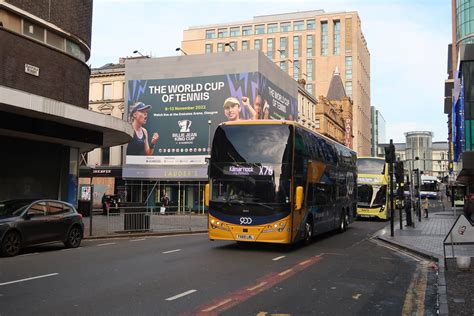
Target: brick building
{"type": "Point", "coordinates": [45, 122]}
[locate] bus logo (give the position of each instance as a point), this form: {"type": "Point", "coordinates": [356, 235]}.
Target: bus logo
{"type": "Point", "coordinates": [245, 220]}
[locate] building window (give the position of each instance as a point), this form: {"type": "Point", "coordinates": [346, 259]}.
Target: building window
{"type": "Point", "coordinates": [285, 27]}
{"type": "Point", "coordinates": [222, 33]}
{"type": "Point", "coordinates": [348, 35]}
{"type": "Point", "coordinates": [310, 24]}
{"type": "Point", "coordinates": [246, 30]}
{"type": "Point", "coordinates": [309, 45]}
{"type": "Point", "coordinates": [258, 44]}
{"type": "Point", "coordinates": [270, 48]}
{"type": "Point", "coordinates": [309, 69]}
{"type": "Point", "coordinates": [337, 37]}
{"type": "Point", "coordinates": [210, 34]}
{"type": "Point", "coordinates": [107, 91]}
{"type": "Point", "coordinates": [220, 47]}
{"type": "Point", "coordinates": [33, 30]}
{"type": "Point", "coordinates": [283, 47]}
{"type": "Point", "coordinates": [296, 69]}
{"type": "Point", "coordinates": [260, 29]}
{"type": "Point", "coordinates": [234, 31]}
{"type": "Point", "coordinates": [283, 65]}
{"type": "Point", "coordinates": [74, 49]}
{"type": "Point", "coordinates": [208, 48]}
{"type": "Point", "coordinates": [296, 47]}
{"type": "Point", "coordinates": [348, 67]}
{"type": "Point", "coordinates": [105, 156]}
{"type": "Point", "coordinates": [316, 123]}
{"type": "Point", "coordinates": [55, 40]}
{"type": "Point", "coordinates": [233, 46]}
{"type": "Point", "coordinates": [324, 38]}
{"type": "Point", "coordinates": [83, 159]}
{"type": "Point", "coordinates": [298, 25]}
{"type": "Point", "coordinates": [272, 28]}
{"type": "Point", "coordinates": [309, 88]}
{"type": "Point", "coordinates": [245, 45]}
{"type": "Point", "coordinates": [349, 88]}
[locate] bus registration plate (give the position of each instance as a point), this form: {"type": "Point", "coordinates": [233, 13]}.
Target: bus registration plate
{"type": "Point", "coordinates": [245, 237]}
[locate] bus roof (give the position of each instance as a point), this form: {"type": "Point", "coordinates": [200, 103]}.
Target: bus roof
{"type": "Point", "coordinates": [283, 122]}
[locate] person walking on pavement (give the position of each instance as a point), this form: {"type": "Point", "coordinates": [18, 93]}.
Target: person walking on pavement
{"type": "Point", "coordinates": [426, 206]}
{"type": "Point", "coordinates": [408, 210]}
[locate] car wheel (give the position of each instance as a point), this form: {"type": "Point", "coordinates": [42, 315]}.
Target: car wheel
{"type": "Point", "coordinates": [11, 244]}
{"type": "Point", "coordinates": [308, 232]}
{"type": "Point", "coordinates": [73, 238]}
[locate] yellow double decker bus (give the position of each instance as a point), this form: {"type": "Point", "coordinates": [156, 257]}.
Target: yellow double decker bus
{"type": "Point", "coordinates": [372, 187]}
{"type": "Point", "coordinates": [278, 182]}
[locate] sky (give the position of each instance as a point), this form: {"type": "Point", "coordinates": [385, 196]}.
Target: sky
{"type": "Point", "coordinates": [407, 41]}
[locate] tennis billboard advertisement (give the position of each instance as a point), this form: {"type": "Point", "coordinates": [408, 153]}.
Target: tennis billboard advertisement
{"type": "Point", "coordinates": [174, 119]}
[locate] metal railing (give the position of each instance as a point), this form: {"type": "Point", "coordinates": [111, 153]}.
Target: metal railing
{"type": "Point", "coordinates": [153, 219]}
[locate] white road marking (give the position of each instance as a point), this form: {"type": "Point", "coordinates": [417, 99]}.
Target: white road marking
{"type": "Point", "coordinates": [257, 286]}
{"type": "Point", "coordinates": [278, 258]}
{"type": "Point", "coordinates": [180, 295]}
{"type": "Point", "coordinates": [170, 251]}
{"type": "Point", "coordinates": [106, 244]}
{"type": "Point", "coordinates": [217, 305]}
{"type": "Point", "coordinates": [29, 254]}
{"type": "Point", "coordinates": [69, 249]}
{"type": "Point", "coordinates": [29, 279]}
{"type": "Point", "coordinates": [141, 239]}
{"type": "Point", "coordinates": [285, 272]}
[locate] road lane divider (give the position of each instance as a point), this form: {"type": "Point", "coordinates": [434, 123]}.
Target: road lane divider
{"type": "Point", "coordinates": [141, 239]}
{"type": "Point", "coordinates": [171, 251]}
{"type": "Point", "coordinates": [256, 286]}
{"type": "Point", "coordinates": [285, 272]}
{"type": "Point", "coordinates": [106, 244]}
{"type": "Point", "coordinates": [278, 258]}
{"type": "Point", "coordinates": [217, 305]}
{"type": "Point", "coordinates": [172, 298]}
{"type": "Point", "coordinates": [221, 304]}
{"type": "Point", "coordinates": [29, 279]}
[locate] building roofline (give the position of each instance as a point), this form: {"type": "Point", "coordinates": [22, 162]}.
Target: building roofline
{"type": "Point", "coordinates": [273, 17]}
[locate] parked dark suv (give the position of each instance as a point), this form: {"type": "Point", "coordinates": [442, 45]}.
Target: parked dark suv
{"type": "Point", "coordinates": [31, 221]}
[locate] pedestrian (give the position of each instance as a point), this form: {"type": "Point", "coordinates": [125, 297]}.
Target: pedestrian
{"type": "Point", "coordinates": [426, 206]}
{"type": "Point", "coordinates": [164, 202]}
{"type": "Point", "coordinates": [408, 210]}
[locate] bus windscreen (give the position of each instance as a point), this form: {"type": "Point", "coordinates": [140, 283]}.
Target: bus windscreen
{"type": "Point", "coordinates": [250, 169]}
{"type": "Point", "coordinates": [370, 166]}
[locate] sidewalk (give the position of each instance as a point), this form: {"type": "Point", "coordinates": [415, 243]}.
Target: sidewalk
{"type": "Point", "coordinates": [115, 225]}
{"type": "Point", "coordinates": [455, 288]}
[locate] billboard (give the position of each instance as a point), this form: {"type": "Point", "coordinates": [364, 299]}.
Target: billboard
{"type": "Point", "coordinates": [174, 119]}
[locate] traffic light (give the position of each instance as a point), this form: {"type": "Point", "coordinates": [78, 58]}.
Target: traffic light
{"type": "Point", "coordinates": [399, 171]}
{"type": "Point", "coordinates": [390, 153]}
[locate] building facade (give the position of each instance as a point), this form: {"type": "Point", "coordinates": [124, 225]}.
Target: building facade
{"type": "Point", "coordinates": [307, 45]}
{"type": "Point", "coordinates": [378, 129]}
{"type": "Point", "coordinates": [459, 96]}
{"type": "Point", "coordinates": [420, 152]}
{"type": "Point", "coordinates": [44, 117]}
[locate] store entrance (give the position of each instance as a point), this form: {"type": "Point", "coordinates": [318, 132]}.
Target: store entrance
{"type": "Point", "coordinates": [184, 197]}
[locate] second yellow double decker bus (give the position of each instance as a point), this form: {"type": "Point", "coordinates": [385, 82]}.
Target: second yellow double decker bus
{"type": "Point", "coordinates": [278, 182]}
{"type": "Point", "coordinates": [372, 188]}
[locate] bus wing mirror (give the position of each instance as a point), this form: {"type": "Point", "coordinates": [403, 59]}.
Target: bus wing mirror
{"type": "Point", "coordinates": [299, 198]}
{"type": "Point", "coordinates": [206, 195]}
